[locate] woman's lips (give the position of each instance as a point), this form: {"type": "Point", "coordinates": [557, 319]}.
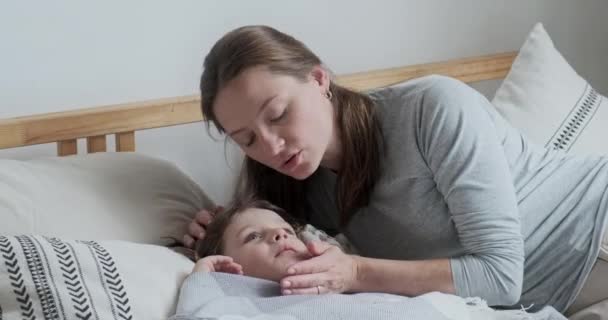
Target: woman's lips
{"type": "Point", "coordinates": [292, 162]}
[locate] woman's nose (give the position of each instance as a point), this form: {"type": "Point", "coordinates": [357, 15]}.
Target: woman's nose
{"type": "Point", "coordinates": [273, 143]}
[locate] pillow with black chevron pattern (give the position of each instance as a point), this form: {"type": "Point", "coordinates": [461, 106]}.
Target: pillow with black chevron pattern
{"type": "Point", "coordinates": [50, 278]}
{"type": "Point", "coordinates": [549, 102]}
{"type": "Point", "coordinates": [99, 196]}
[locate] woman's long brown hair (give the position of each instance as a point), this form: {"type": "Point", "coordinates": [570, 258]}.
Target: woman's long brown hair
{"type": "Point", "coordinates": [359, 128]}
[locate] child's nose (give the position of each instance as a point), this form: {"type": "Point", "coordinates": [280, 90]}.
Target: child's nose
{"type": "Point", "coordinates": [280, 235]}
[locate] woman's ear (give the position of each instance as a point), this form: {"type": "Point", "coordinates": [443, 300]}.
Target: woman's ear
{"type": "Point", "coordinates": [321, 77]}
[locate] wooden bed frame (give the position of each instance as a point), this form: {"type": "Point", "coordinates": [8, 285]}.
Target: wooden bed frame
{"type": "Point", "coordinates": [94, 124]}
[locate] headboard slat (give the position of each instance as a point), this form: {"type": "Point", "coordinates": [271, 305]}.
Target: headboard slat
{"type": "Point", "coordinates": [67, 147]}
{"type": "Point", "coordinates": [125, 141]}
{"type": "Point", "coordinates": [96, 144]}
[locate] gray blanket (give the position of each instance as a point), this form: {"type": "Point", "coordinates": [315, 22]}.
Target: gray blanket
{"type": "Point", "coordinates": [226, 296]}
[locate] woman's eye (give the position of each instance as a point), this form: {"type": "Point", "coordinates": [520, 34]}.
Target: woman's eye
{"type": "Point", "coordinates": [279, 117]}
{"type": "Point", "coordinates": [250, 141]}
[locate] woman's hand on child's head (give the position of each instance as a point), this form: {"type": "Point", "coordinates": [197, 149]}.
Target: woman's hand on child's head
{"type": "Point", "coordinates": [217, 264]}
{"type": "Point", "coordinates": [196, 228]}
{"type": "Point", "coordinates": [328, 271]}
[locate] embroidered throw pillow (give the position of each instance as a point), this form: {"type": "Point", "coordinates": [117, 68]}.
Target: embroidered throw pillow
{"type": "Point", "coordinates": [549, 102]}
{"type": "Point", "coordinates": [50, 278]}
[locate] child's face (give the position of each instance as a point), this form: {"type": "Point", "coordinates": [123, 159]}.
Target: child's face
{"type": "Point", "coordinates": [263, 244]}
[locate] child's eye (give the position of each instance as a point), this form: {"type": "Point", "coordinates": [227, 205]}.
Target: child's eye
{"type": "Point", "coordinates": [291, 232]}
{"type": "Point", "coordinates": [253, 236]}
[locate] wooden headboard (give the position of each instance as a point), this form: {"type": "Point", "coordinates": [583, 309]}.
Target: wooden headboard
{"type": "Point", "coordinates": [95, 124]}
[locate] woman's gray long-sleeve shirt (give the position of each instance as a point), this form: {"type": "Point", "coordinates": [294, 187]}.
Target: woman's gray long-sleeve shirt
{"type": "Point", "coordinates": [521, 224]}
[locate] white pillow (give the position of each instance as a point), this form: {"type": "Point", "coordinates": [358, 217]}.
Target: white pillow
{"type": "Point", "coordinates": [549, 102]}
{"type": "Point", "coordinates": [49, 278]}
{"type": "Point", "coordinates": [100, 196]}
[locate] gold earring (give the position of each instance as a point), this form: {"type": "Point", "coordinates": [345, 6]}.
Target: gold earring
{"type": "Point", "coordinates": [329, 94]}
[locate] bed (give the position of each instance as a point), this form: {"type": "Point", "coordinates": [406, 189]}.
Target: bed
{"type": "Point", "coordinates": [83, 235]}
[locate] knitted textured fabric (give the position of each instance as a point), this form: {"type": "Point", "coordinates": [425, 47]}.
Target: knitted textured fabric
{"type": "Point", "coordinates": [225, 296]}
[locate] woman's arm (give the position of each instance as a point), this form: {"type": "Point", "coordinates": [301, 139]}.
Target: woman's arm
{"type": "Point", "coordinates": [462, 148]}
{"type": "Point", "coordinates": [460, 145]}
{"type": "Point", "coordinates": [408, 278]}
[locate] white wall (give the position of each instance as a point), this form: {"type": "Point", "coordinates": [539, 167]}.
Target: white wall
{"type": "Point", "coordinates": [66, 54]}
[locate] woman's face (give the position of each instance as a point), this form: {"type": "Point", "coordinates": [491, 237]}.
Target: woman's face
{"type": "Point", "coordinates": [263, 244]}
{"type": "Point", "coordinates": [280, 121]}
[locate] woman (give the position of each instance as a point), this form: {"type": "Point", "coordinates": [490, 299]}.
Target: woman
{"type": "Point", "coordinates": [435, 190]}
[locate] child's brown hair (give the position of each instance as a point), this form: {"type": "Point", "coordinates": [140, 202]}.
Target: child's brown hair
{"type": "Point", "coordinates": [212, 243]}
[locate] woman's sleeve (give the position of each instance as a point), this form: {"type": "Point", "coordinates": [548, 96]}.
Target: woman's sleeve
{"type": "Point", "coordinates": [459, 142]}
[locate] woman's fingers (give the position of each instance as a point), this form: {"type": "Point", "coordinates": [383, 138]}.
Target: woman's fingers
{"type": "Point", "coordinates": [313, 291]}
{"type": "Point", "coordinates": [331, 270]}
{"type": "Point", "coordinates": [313, 265]}
{"type": "Point", "coordinates": [303, 281]}
{"type": "Point", "coordinates": [188, 241]}
{"type": "Point", "coordinates": [317, 248]}
{"type": "Point", "coordinates": [204, 217]}
{"type": "Point", "coordinates": [196, 227]}
{"type": "Point", "coordinates": [316, 264]}
{"type": "Point", "coordinates": [196, 231]}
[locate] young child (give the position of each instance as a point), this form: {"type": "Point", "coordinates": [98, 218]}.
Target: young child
{"type": "Point", "coordinates": [260, 241]}
{"type": "Point", "coordinates": [254, 239]}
